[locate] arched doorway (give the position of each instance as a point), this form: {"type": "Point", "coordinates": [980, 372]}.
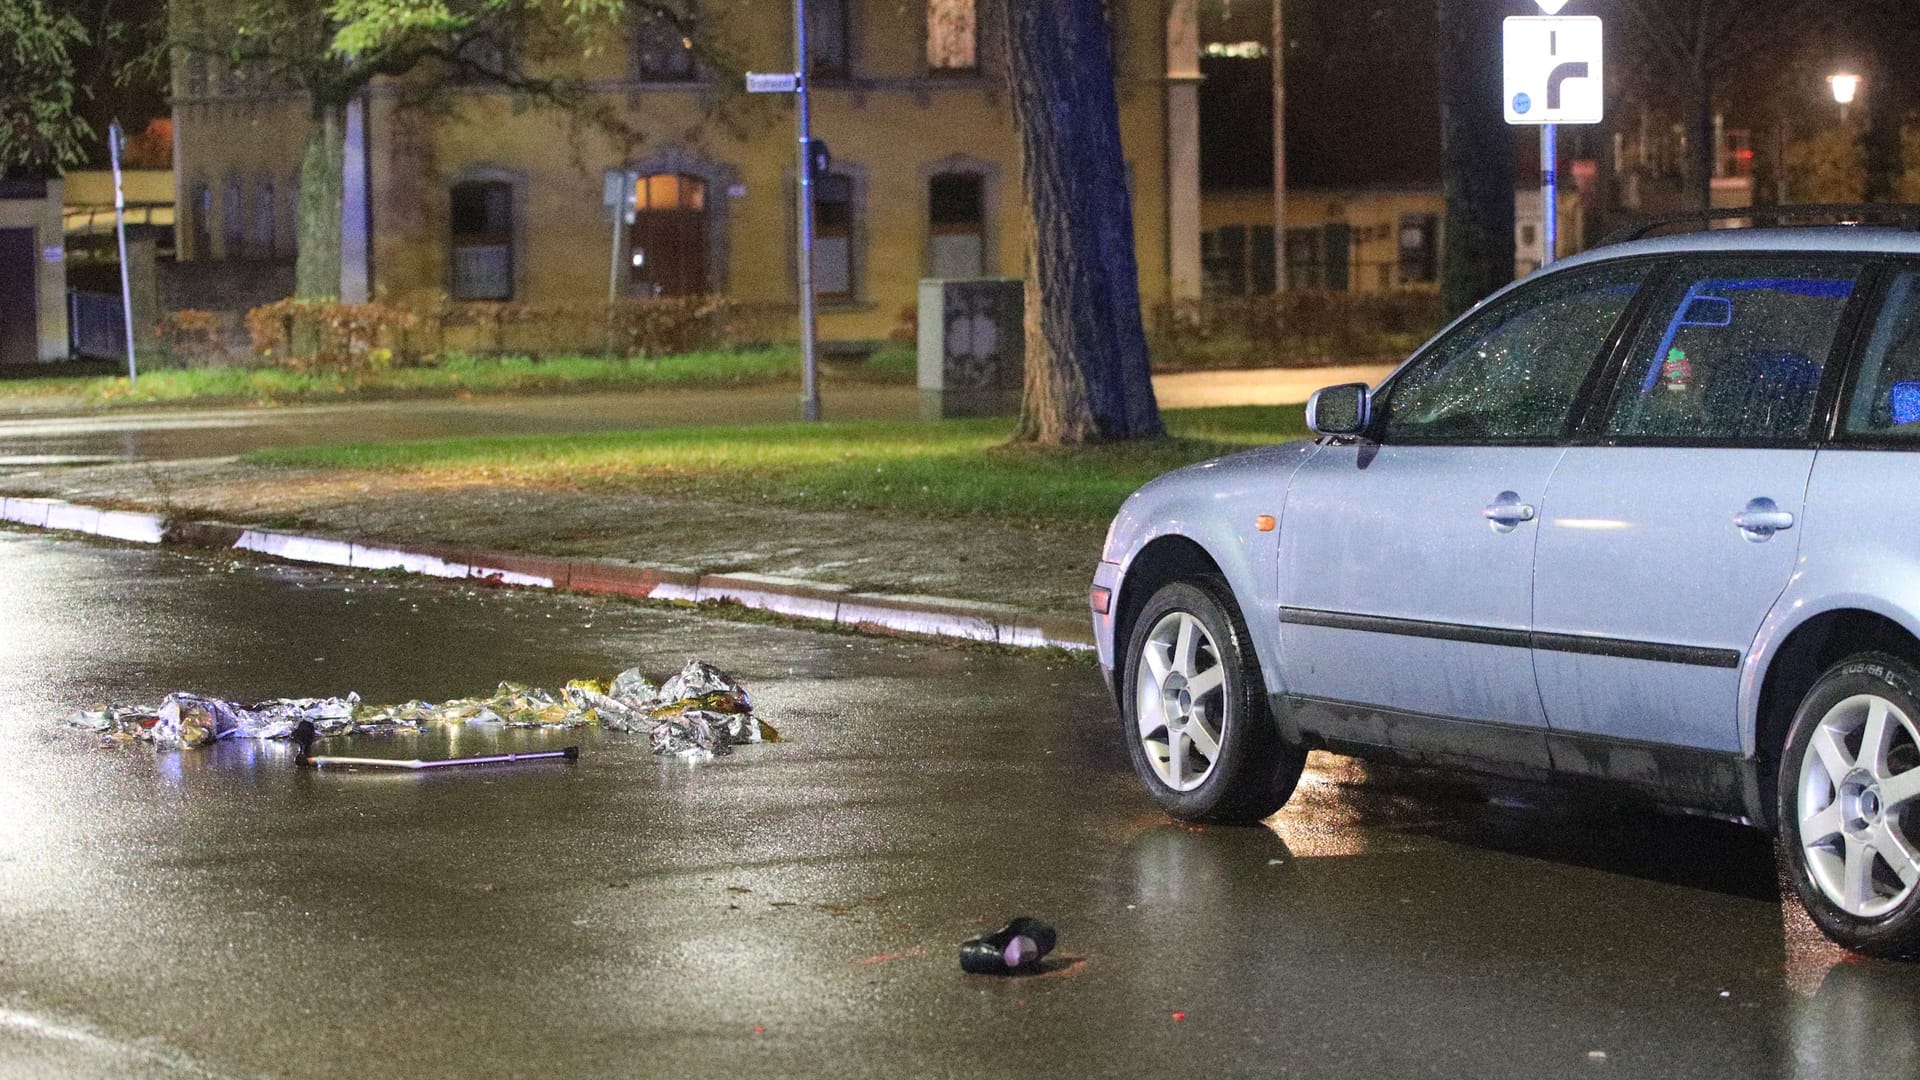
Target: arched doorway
{"type": "Point", "coordinates": [667, 243]}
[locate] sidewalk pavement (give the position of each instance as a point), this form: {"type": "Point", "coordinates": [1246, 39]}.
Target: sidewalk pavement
{"type": "Point", "coordinates": [986, 580]}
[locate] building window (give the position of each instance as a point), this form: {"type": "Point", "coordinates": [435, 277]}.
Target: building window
{"type": "Point", "coordinates": [833, 241]}
{"type": "Point", "coordinates": [828, 38]}
{"type": "Point", "coordinates": [1225, 260]}
{"type": "Point", "coordinates": [200, 219]}
{"type": "Point", "coordinates": [261, 242]}
{"type": "Point", "coordinates": [233, 219]}
{"type": "Point", "coordinates": [1419, 248]}
{"type": "Point", "coordinates": [1261, 260]}
{"type": "Point", "coordinates": [485, 56]}
{"type": "Point", "coordinates": [957, 225]}
{"type": "Point", "coordinates": [953, 39]}
{"type": "Point", "coordinates": [482, 229]}
{"type": "Point", "coordinates": [1305, 267]}
{"type": "Point", "coordinates": [662, 49]}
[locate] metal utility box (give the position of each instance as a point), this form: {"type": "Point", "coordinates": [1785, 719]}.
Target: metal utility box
{"type": "Point", "coordinates": [972, 346]}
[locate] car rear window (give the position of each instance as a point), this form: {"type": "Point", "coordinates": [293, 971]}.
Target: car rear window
{"type": "Point", "coordinates": [1733, 351]}
{"type": "Point", "coordinates": [1886, 395]}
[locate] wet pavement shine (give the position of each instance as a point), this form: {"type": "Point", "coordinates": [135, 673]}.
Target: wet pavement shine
{"type": "Point", "coordinates": [793, 910]}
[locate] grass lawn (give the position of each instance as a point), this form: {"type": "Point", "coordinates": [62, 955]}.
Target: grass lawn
{"type": "Point", "coordinates": [452, 376]}
{"type": "Point", "coordinates": [947, 469]}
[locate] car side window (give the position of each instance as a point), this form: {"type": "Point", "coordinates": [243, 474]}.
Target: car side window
{"type": "Point", "coordinates": [1732, 350]}
{"type": "Point", "coordinates": [1511, 373]}
{"type": "Point", "coordinates": [1886, 394]}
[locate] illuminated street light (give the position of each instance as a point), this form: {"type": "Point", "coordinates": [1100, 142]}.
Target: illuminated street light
{"type": "Point", "coordinates": [1846, 87]}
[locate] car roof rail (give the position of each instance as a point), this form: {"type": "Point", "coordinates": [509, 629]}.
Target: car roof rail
{"type": "Point", "coordinates": [1903, 215]}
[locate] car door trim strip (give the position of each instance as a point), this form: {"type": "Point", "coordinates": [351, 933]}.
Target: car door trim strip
{"type": "Point", "coordinates": [1622, 648]}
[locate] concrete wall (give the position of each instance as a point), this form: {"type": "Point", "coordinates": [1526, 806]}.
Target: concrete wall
{"type": "Point", "coordinates": [43, 216]}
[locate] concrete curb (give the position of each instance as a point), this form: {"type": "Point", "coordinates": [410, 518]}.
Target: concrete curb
{"type": "Point", "coordinates": [870, 612]}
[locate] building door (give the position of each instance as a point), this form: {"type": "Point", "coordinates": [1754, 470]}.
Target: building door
{"type": "Point", "coordinates": [667, 245]}
{"type": "Point", "coordinates": [19, 299]}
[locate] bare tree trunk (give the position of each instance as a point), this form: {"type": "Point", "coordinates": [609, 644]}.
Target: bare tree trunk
{"type": "Point", "coordinates": [1700, 148]}
{"type": "Point", "coordinates": [1881, 142]}
{"type": "Point", "coordinates": [322, 198]}
{"type": "Point", "coordinates": [1087, 374]}
{"type": "Point", "coordinates": [1476, 150]}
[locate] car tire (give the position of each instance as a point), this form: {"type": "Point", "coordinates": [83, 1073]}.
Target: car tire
{"type": "Point", "coordinates": [1194, 709]}
{"type": "Point", "coordinates": [1850, 819]}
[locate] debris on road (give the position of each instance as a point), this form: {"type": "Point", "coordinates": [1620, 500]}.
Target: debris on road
{"type": "Point", "coordinates": [699, 713]}
{"type": "Point", "coordinates": [1014, 949]}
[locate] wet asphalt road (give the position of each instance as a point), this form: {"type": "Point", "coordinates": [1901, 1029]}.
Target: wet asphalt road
{"type": "Point", "coordinates": [792, 910]}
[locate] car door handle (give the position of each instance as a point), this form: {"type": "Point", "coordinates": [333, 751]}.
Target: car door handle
{"type": "Point", "coordinates": [1761, 519]}
{"type": "Point", "coordinates": [1507, 513]}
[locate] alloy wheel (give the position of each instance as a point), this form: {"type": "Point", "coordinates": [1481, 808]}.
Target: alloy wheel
{"type": "Point", "coordinates": [1180, 689]}
{"type": "Point", "coordinates": [1859, 781]}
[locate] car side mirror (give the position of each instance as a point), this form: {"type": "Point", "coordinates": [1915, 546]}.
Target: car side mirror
{"type": "Point", "coordinates": [1340, 410]}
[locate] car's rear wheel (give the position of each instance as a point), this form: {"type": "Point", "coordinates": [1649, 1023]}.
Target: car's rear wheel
{"type": "Point", "coordinates": [1849, 798]}
{"type": "Point", "coordinates": [1194, 709]}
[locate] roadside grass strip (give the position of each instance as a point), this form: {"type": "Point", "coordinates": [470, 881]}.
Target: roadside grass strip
{"type": "Point", "coordinates": [949, 469]}
{"type": "Point", "coordinates": [450, 376]}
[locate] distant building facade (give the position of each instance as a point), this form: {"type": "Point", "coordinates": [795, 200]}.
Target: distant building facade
{"type": "Point", "coordinates": [1359, 239]}
{"type": "Point", "coordinates": [494, 201]}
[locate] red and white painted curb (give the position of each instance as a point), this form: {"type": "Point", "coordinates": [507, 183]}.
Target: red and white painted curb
{"type": "Point", "coordinates": [935, 616]}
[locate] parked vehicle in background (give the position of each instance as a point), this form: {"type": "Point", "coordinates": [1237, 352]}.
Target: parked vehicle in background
{"type": "Point", "coordinates": [1649, 517]}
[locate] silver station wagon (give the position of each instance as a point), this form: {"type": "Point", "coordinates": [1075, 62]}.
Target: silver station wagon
{"type": "Point", "coordinates": [1649, 517]}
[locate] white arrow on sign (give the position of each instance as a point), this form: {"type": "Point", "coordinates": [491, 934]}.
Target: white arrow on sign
{"type": "Point", "coordinates": [1551, 7]}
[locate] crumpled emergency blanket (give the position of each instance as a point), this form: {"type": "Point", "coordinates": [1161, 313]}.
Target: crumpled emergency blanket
{"type": "Point", "coordinates": [699, 713]}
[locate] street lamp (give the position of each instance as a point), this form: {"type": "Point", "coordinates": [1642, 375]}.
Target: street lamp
{"type": "Point", "coordinates": [1846, 87]}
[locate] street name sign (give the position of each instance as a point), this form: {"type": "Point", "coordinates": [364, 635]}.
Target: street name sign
{"type": "Point", "coordinates": [776, 82]}
{"type": "Point", "coordinates": [1554, 69]}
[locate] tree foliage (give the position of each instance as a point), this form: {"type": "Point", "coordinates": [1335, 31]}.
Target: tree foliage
{"type": "Point", "coordinates": [40, 130]}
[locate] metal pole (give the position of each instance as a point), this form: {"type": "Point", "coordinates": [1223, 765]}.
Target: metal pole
{"type": "Point", "coordinates": [120, 227]}
{"type": "Point", "coordinates": [619, 241]}
{"type": "Point", "coordinates": [809, 376]}
{"type": "Point", "coordinates": [1279, 147]}
{"type": "Point", "coordinates": [1549, 192]}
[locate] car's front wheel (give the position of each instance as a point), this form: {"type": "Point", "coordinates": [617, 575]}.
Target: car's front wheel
{"type": "Point", "coordinates": [1849, 798]}
{"type": "Point", "coordinates": [1195, 718]}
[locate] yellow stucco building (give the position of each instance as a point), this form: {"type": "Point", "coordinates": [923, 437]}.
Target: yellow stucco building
{"type": "Point", "coordinates": [495, 200]}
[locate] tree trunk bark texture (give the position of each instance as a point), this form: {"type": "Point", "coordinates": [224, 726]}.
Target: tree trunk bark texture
{"type": "Point", "coordinates": [1476, 149]}
{"type": "Point", "coordinates": [1087, 374]}
{"type": "Point", "coordinates": [322, 201]}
